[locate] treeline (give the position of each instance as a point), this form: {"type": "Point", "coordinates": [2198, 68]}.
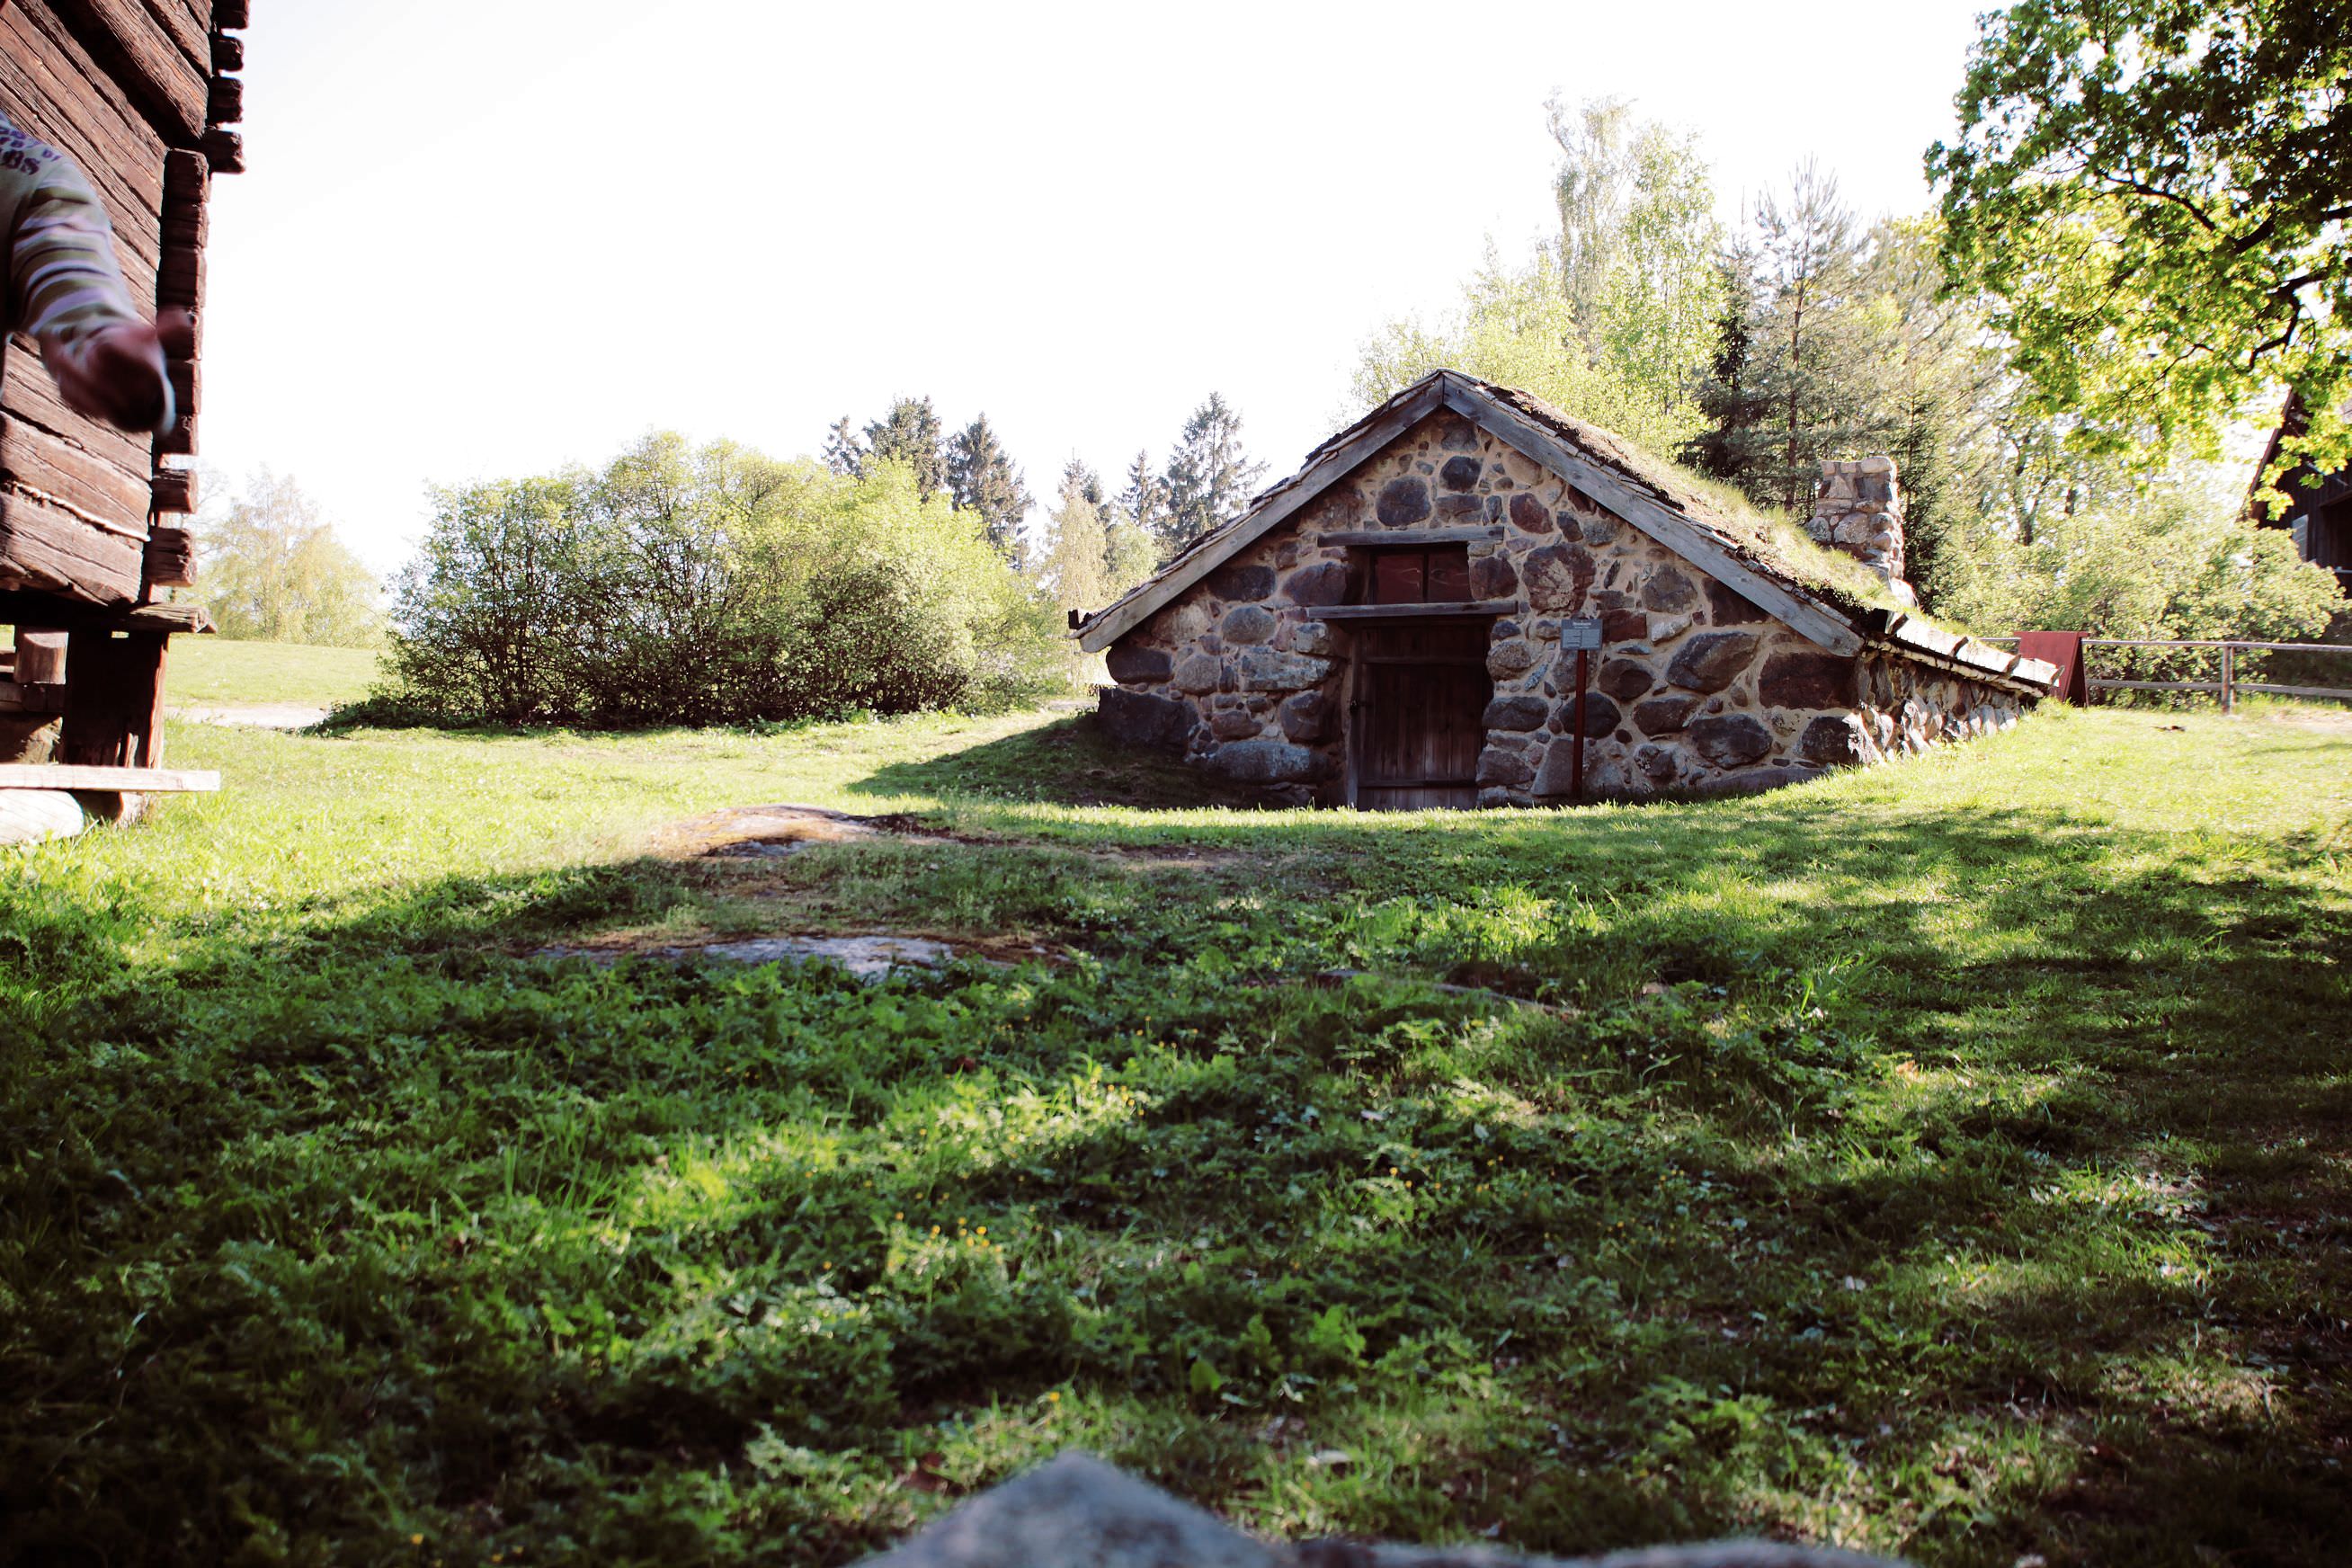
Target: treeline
{"type": "Point", "coordinates": [710, 585]}
{"type": "Point", "coordinates": [1754, 350]}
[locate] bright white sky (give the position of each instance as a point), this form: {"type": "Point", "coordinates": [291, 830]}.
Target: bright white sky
{"type": "Point", "coordinates": [479, 240]}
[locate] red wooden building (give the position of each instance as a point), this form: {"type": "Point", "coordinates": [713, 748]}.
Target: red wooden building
{"type": "Point", "coordinates": [139, 93]}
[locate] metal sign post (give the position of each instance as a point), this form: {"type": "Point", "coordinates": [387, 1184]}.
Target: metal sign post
{"type": "Point", "coordinates": [1583, 634]}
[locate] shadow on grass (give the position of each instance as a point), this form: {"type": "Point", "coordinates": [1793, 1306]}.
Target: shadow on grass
{"type": "Point", "coordinates": [370, 1223]}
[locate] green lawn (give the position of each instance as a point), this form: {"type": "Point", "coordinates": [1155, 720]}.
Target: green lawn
{"type": "Point", "coordinates": [214, 671]}
{"type": "Point", "coordinates": [1949, 1159]}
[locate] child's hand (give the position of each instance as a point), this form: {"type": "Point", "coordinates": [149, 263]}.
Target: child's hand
{"type": "Point", "coordinates": [117, 373]}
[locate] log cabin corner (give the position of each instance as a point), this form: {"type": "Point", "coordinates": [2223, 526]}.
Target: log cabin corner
{"type": "Point", "coordinates": [140, 95]}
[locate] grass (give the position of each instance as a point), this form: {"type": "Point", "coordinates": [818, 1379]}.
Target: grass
{"type": "Point", "coordinates": [1949, 1159]}
{"type": "Point", "coordinates": [221, 672]}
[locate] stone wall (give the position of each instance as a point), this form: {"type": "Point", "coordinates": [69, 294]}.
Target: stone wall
{"type": "Point", "coordinates": [1858, 508]}
{"type": "Point", "coordinates": [1695, 691]}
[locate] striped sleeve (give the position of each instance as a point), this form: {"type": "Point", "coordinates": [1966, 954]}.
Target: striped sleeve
{"type": "Point", "coordinates": [63, 280]}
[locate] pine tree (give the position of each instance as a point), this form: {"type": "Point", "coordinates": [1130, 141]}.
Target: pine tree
{"type": "Point", "coordinates": [1144, 502]}
{"type": "Point", "coordinates": [843, 453]}
{"type": "Point", "coordinates": [982, 480]}
{"type": "Point", "coordinates": [1210, 476]}
{"type": "Point", "coordinates": [910, 434]}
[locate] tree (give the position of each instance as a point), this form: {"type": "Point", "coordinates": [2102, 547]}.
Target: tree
{"type": "Point", "coordinates": [1076, 565]}
{"type": "Point", "coordinates": [1209, 477]}
{"type": "Point", "coordinates": [982, 480]}
{"type": "Point", "coordinates": [845, 454]}
{"type": "Point", "coordinates": [1638, 240]}
{"type": "Point", "coordinates": [1144, 502]}
{"type": "Point", "coordinates": [2155, 194]}
{"type": "Point", "coordinates": [1811, 348]}
{"type": "Point", "coordinates": [275, 569]}
{"type": "Point", "coordinates": [910, 434]}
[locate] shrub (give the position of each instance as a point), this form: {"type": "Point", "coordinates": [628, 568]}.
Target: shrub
{"type": "Point", "coordinates": [707, 586]}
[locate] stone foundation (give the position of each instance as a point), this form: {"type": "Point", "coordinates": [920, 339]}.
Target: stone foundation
{"type": "Point", "coordinates": [1695, 691]}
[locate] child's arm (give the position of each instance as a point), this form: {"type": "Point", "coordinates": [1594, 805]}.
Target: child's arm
{"type": "Point", "coordinates": [65, 289]}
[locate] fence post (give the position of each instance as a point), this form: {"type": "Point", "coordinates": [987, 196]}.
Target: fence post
{"type": "Point", "coordinates": [2229, 676]}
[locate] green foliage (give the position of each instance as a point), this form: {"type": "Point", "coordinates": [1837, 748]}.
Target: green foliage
{"type": "Point", "coordinates": [274, 570]}
{"type": "Point", "coordinates": [910, 435]}
{"type": "Point", "coordinates": [982, 480]}
{"type": "Point", "coordinates": [2154, 191]}
{"type": "Point", "coordinates": [1864, 1163]}
{"type": "Point", "coordinates": [1615, 322]}
{"type": "Point", "coordinates": [1210, 476]}
{"type": "Point", "coordinates": [712, 586]}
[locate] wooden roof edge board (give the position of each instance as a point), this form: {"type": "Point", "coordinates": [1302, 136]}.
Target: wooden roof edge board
{"type": "Point", "coordinates": [1408, 537]}
{"type": "Point", "coordinates": [83, 776]}
{"type": "Point", "coordinates": [1916, 636]}
{"type": "Point", "coordinates": [1326, 466]}
{"type": "Point", "coordinates": [1808, 619]}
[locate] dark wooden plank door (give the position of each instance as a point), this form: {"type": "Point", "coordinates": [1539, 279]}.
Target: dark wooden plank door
{"type": "Point", "coordinates": [1420, 717]}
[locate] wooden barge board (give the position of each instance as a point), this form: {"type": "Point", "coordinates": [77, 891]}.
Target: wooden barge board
{"type": "Point", "coordinates": [138, 781]}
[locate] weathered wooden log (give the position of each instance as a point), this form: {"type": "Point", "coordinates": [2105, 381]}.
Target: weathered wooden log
{"type": "Point", "coordinates": [226, 105]}
{"type": "Point", "coordinates": [228, 54]}
{"type": "Point", "coordinates": [114, 702]}
{"type": "Point", "coordinates": [91, 776]}
{"type": "Point", "coordinates": [170, 559]}
{"type": "Point", "coordinates": [47, 700]}
{"type": "Point", "coordinates": [139, 52]}
{"type": "Point", "coordinates": [40, 657]}
{"type": "Point", "coordinates": [225, 150]}
{"type": "Point", "coordinates": [49, 549]}
{"type": "Point", "coordinates": [31, 816]}
{"type": "Point", "coordinates": [174, 490]}
{"type": "Point", "coordinates": [187, 385]}
{"type": "Point", "coordinates": [231, 14]}
{"type": "Point", "coordinates": [180, 279]}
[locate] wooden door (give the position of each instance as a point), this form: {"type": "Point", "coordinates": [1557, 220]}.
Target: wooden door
{"type": "Point", "coordinates": [1420, 716]}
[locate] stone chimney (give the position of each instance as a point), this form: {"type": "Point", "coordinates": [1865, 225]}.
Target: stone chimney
{"type": "Point", "coordinates": [1858, 508]}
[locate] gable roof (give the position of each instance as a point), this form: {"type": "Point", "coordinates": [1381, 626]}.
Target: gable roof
{"type": "Point", "coordinates": [1637, 488]}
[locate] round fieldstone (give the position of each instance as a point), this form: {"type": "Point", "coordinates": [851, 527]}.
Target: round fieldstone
{"type": "Point", "coordinates": [1497, 766]}
{"type": "Point", "coordinates": [1269, 669]}
{"type": "Point", "coordinates": [1662, 715]}
{"type": "Point", "coordinates": [1493, 577]}
{"type": "Point", "coordinates": [1306, 716]}
{"type": "Point", "coordinates": [1713, 660]}
{"type": "Point", "coordinates": [1460, 509]}
{"type": "Point", "coordinates": [1459, 474]}
{"type": "Point", "coordinates": [1625, 679]}
{"type": "Point", "coordinates": [1241, 584]}
{"type": "Point", "coordinates": [1556, 576]}
{"type": "Point", "coordinates": [1263, 761]}
{"type": "Point", "coordinates": [1324, 583]}
{"type": "Point", "coordinates": [1597, 530]}
{"type": "Point", "coordinates": [1133, 719]}
{"type": "Point", "coordinates": [1656, 763]}
{"type": "Point", "coordinates": [1515, 712]}
{"type": "Point", "coordinates": [1195, 673]}
{"type": "Point", "coordinates": [1670, 589]}
{"type": "Point", "coordinates": [1731, 740]}
{"type": "Point", "coordinates": [1600, 715]}
{"type": "Point", "coordinates": [1248, 624]}
{"type": "Point", "coordinates": [1530, 514]}
{"type": "Point", "coordinates": [1835, 738]}
{"type": "Point", "coordinates": [1624, 625]}
{"type": "Point", "coordinates": [1506, 660]}
{"type": "Point", "coordinates": [1234, 725]}
{"type": "Point", "coordinates": [1455, 434]}
{"type": "Point", "coordinates": [1133, 664]}
{"type": "Point", "coordinates": [1311, 637]}
{"type": "Point", "coordinates": [1402, 503]}
{"type": "Point", "coordinates": [1806, 681]}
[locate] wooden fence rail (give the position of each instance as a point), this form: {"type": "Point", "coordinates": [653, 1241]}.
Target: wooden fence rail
{"type": "Point", "coordinates": [2228, 686]}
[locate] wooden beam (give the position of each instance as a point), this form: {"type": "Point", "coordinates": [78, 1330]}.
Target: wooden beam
{"type": "Point", "coordinates": [226, 104]}
{"type": "Point", "coordinates": [1654, 518]}
{"type": "Point", "coordinates": [18, 608]}
{"type": "Point", "coordinates": [114, 702]}
{"type": "Point", "coordinates": [228, 54]}
{"type": "Point", "coordinates": [224, 151]}
{"type": "Point", "coordinates": [1406, 538]}
{"type": "Point", "coordinates": [143, 781]}
{"type": "Point", "coordinates": [40, 656]}
{"type": "Point", "coordinates": [17, 697]}
{"type": "Point", "coordinates": [1318, 476]}
{"type": "Point", "coordinates": [139, 55]}
{"type": "Point", "coordinates": [1487, 609]}
{"type": "Point", "coordinates": [170, 559]}
{"type": "Point", "coordinates": [174, 490]}
{"type": "Point", "coordinates": [229, 16]}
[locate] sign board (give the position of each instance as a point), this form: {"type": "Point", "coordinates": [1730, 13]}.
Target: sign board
{"type": "Point", "coordinates": [1581, 631]}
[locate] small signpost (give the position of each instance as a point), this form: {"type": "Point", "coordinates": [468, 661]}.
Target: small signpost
{"type": "Point", "coordinates": [1581, 632]}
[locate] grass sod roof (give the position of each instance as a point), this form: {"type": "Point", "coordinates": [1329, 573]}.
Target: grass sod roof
{"type": "Point", "coordinates": [1772, 548]}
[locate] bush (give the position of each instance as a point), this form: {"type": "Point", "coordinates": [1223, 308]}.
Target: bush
{"type": "Point", "coordinates": [710, 586]}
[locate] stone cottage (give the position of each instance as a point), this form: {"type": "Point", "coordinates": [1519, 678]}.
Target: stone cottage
{"type": "Point", "coordinates": [1392, 627]}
